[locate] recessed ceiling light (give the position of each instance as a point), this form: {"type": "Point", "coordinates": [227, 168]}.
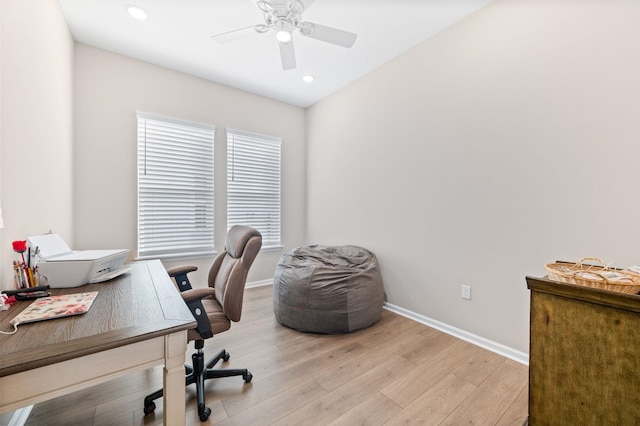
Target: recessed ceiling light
{"type": "Point", "coordinates": [308, 78]}
{"type": "Point", "coordinates": [136, 11]}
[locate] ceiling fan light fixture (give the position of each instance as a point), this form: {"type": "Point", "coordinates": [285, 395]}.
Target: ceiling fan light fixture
{"type": "Point", "coordinates": [136, 12]}
{"type": "Point", "coordinates": [283, 36]}
{"type": "Point", "coordinates": [283, 32]}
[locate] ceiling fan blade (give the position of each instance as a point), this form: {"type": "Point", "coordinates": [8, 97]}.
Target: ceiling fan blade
{"type": "Point", "coordinates": [328, 34]}
{"type": "Point", "coordinates": [240, 33]}
{"type": "Point", "coordinates": [287, 55]}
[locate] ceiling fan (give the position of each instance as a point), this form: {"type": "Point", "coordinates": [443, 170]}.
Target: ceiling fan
{"type": "Point", "coordinates": [284, 17]}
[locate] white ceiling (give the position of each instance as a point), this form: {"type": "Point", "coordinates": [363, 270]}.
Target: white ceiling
{"type": "Point", "coordinates": [177, 35]}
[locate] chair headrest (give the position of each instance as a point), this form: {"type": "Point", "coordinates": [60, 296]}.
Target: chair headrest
{"type": "Point", "coordinates": [237, 239]}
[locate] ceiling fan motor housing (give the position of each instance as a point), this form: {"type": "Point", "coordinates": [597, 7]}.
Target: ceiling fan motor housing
{"type": "Point", "coordinates": [276, 12]}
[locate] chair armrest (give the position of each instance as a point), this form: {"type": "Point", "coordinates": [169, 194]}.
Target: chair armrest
{"type": "Point", "coordinates": [197, 293]}
{"type": "Point", "coordinates": [193, 299]}
{"type": "Point", "coordinates": [181, 277]}
{"type": "Point", "coordinates": [181, 270]}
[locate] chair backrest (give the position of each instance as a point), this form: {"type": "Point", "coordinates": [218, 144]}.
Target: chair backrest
{"type": "Point", "coordinates": [228, 274]}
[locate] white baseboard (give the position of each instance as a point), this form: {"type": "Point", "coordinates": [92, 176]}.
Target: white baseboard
{"type": "Point", "coordinates": [498, 348]}
{"type": "Point", "coordinates": [490, 345]}
{"type": "Point", "coordinates": [261, 283]}
{"type": "Point", "coordinates": [20, 416]}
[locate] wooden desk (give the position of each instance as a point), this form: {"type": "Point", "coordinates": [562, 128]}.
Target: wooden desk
{"type": "Point", "coordinates": [137, 321]}
{"type": "Point", "coordinates": [584, 362]}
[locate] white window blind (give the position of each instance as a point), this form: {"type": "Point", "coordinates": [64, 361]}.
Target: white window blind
{"type": "Point", "coordinates": [175, 187]}
{"type": "Point", "coordinates": [253, 183]}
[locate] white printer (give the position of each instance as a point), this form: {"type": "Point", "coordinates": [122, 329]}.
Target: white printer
{"type": "Point", "coordinates": [64, 268]}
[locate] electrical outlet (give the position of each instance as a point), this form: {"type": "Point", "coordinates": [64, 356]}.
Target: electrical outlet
{"type": "Point", "coordinates": [466, 292]}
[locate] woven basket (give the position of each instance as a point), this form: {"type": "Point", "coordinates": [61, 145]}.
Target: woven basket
{"type": "Point", "coordinates": [598, 276]}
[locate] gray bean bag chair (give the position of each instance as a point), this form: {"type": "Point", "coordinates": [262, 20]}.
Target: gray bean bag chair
{"type": "Point", "coordinates": [325, 289]}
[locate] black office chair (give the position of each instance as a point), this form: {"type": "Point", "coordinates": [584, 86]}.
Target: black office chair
{"type": "Point", "coordinates": [214, 308]}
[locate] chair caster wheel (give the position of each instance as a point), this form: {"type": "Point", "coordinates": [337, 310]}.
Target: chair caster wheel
{"type": "Point", "coordinates": [204, 415]}
{"type": "Point", "coordinates": [226, 356]}
{"type": "Point", "coordinates": [247, 377]}
{"type": "Point", "coordinates": [149, 408]}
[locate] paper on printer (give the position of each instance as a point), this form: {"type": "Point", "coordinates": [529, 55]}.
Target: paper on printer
{"type": "Point", "coordinates": [66, 268]}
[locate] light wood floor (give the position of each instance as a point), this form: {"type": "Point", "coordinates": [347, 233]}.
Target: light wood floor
{"type": "Point", "coordinates": [395, 372]}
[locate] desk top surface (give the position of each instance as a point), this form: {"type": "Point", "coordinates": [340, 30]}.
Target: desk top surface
{"type": "Point", "coordinates": [137, 306]}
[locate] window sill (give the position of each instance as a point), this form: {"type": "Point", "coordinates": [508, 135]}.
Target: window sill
{"type": "Point", "coordinates": [187, 256]}
{"type": "Point", "coordinates": [179, 256]}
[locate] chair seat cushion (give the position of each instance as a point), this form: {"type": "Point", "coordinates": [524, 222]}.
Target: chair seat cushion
{"type": "Point", "coordinates": [325, 289]}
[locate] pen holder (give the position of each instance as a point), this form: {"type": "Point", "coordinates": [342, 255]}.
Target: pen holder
{"type": "Point", "coordinates": [40, 280]}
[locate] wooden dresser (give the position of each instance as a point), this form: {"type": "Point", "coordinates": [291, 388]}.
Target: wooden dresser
{"type": "Point", "coordinates": [584, 356]}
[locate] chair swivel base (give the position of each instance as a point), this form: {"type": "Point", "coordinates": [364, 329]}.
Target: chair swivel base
{"type": "Point", "coordinates": [197, 374]}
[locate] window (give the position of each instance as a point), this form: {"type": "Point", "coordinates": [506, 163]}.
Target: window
{"type": "Point", "coordinates": [175, 187]}
{"type": "Point", "coordinates": [253, 184]}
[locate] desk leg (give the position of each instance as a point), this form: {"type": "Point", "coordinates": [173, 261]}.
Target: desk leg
{"type": "Point", "coordinates": [175, 346]}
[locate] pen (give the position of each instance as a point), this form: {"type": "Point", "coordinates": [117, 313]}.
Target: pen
{"type": "Point", "coordinates": [16, 275]}
{"type": "Point", "coordinates": [23, 276]}
{"type": "Point", "coordinates": [30, 277]}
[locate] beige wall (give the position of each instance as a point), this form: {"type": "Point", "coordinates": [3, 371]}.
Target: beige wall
{"type": "Point", "coordinates": [109, 89]}
{"type": "Point", "coordinates": [505, 142]}
{"type": "Point", "coordinates": [36, 124]}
